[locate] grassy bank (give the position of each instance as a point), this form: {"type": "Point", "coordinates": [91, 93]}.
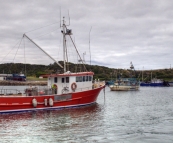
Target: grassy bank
{"type": "Point", "coordinates": [14, 83]}
{"type": "Point", "coordinates": [31, 78]}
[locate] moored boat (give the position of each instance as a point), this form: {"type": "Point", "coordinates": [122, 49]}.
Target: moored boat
{"type": "Point", "coordinates": [155, 83]}
{"type": "Point", "coordinates": [63, 90]}
{"type": "Point", "coordinates": [126, 84]}
{"type": "Point", "coordinates": [16, 77]}
{"type": "Point", "coordinates": [171, 83]}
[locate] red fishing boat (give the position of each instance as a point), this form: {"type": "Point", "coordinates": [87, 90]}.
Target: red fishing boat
{"type": "Point", "coordinates": [63, 90]}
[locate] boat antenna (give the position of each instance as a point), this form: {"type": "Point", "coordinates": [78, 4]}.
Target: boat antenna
{"type": "Point", "coordinates": [60, 17]}
{"type": "Point", "coordinates": [68, 18]}
{"type": "Point", "coordinates": [89, 45]}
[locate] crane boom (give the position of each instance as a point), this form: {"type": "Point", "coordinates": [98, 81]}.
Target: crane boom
{"type": "Point", "coordinates": [24, 35]}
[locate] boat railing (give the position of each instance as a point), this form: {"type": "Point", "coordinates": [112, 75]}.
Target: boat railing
{"type": "Point", "coordinates": [10, 92]}
{"type": "Point", "coordinates": [36, 91]}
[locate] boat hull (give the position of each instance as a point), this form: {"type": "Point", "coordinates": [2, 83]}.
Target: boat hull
{"type": "Point", "coordinates": [171, 83]}
{"type": "Point", "coordinates": [25, 103]}
{"type": "Point", "coordinates": [123, 88]}
{"type": "Point", "coordinates": [155, 84]}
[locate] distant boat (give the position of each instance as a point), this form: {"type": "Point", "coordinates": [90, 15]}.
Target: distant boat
{"type": "Point", "coordinates": [16, 77]}
{"type": "Point", "coordinates": [125, 84]}
{"type": "Point", "coordinates": [111, 82]}
{"type": "Point", "coordinates": [155, 83]}
{"type": "Point", "coordinates": [171, 83]}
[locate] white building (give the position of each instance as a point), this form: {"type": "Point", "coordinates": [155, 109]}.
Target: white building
{"type": "Point", "coordinates": [3, 76]}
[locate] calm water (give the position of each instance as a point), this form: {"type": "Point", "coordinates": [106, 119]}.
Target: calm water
{"type": "Point", "coordinates": [121, 117]}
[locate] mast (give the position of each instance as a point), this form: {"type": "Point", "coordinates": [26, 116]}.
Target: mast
{"type": "Point", "coordinates": [64, 48]}
{"type": "Point", "coordinates": [68, 32]}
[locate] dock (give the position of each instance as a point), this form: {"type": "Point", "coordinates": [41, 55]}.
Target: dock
{"type": "Point", "coordinates": [22, 83]}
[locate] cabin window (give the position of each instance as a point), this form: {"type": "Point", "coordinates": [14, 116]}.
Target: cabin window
{"type": "Point", "coordinates": [55, 80]}
{"type": "Point", "coordinates": [67, 79]}
{"type": "Point", "coordinates": [90, 78]}
{"type": "Point", "coordinates": [63, 80]}
{"type": "Point", "coordinates": [80, 79]}
{"type": "Point", "coordinates": [86, 78]}
{"type": "Point", "coordinates": [77, 79]}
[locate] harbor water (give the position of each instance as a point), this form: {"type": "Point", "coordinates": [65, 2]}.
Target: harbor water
{"type": "Point", "coordinates": [144, 116]}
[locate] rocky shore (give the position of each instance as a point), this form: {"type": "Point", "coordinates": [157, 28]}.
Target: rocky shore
{"type": "Point", "coordinates": [27, 83]}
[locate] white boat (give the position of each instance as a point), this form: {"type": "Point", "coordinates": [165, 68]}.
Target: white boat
{"type": "Point", "coordinates": [125, 84]}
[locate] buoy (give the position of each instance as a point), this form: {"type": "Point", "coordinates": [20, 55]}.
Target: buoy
{"type": "Point", "coordinates": [73, 86]}
{"type": "Point", "coordinates": [45, 102]}
{"type": "Point", "coordinates": [34, 103]}
{"type": "Point", "coordinates": [50, 102]}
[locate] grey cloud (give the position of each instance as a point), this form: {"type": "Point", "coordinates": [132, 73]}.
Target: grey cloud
{"type": "Point", "coordinates": [122, 31]}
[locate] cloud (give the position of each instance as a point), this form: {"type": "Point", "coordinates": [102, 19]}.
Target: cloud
{"type": "Point", "coordinates": [122, 31]}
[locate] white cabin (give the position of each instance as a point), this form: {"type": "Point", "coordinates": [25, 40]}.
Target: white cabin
{"type": "Point", "coordinates": [71, 82]}
{"type": "Point", "coordinates": [3, 76]}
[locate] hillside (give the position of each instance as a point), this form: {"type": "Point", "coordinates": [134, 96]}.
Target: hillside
{"type": "Point", "coordinates": [101, 72]}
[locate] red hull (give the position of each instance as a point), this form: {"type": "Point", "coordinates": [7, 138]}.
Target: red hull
{"type": "Point", "coordinates": [24, 103]}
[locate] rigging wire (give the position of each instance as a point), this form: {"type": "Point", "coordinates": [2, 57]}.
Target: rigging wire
{"type": "Point", "coordinates": [41, 49]}
{"type": "Point", "coordinates": [78, 53]}
{"type": "Point", "coordinates": [77, 50]}
{"type": "Point", "coordinates": [59, 45]}
{"type": "Point", "coordinates": [66, 55]}
{"type": "Point", "coordinates": [17, 49]}
{"type": "Point", "coordinates": [42, 27]}
{"type": "Point", "coordinates": [16, 53]}
{"type": "Point", "coordinates": [46, 33]}
{"type": "Point", "coordinates": [24, 56]}
{"type": "Point", "coordinates": [19, 42]}
{"type": "Point", "coordinates": [72, 55]}
{"type": "Point", "coordinates": [89, 45]}
{"type": "Point", "coordinates": [10, 51]}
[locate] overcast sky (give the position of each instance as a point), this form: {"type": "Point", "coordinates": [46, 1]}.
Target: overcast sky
{"type": "Point", "coordinates": [122, 31]}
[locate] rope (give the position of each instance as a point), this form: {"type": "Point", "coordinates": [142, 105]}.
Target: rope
{"type": "Point", "coordinates": [24, 56]}
{"type": "Point", "coordinates": [78, 53]}
{"type": "Point", "coordinates": [10, 51]}
{"type": "Point", "coordinates": [41, 27]}
{"type": "Point", "coordinates": [17, 49]}
{"type": "Point", "coordinates": [45, 34]}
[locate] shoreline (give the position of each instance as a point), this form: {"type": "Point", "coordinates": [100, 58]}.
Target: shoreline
{"type": "Point", "coordinates": [32, 83]}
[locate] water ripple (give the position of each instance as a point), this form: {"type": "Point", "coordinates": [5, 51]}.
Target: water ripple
{"type": "Point", "coordinates": [123, 117]}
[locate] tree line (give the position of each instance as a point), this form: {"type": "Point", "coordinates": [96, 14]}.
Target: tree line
{"type": "Point", "coordinates": [100, 72]}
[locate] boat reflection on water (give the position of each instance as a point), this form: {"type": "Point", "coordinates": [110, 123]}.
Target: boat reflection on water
{"type": "Point", "coordinates": [55, 124]}
{"type": "Point", "coordinates": [85, 112]}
